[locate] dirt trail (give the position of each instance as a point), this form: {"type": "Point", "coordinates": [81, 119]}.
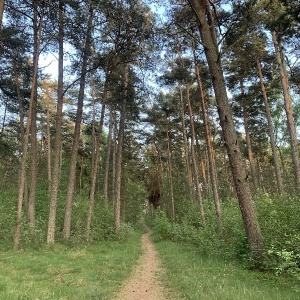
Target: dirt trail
{"type": "Point", "coordinates": [144, 284]}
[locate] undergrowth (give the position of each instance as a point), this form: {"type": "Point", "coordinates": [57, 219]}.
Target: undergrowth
{"type": "Point", "coordinates": [280, 226]}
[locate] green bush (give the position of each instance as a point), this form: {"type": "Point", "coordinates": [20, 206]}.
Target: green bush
{"type": "Point", "coordinates": [279, 222]}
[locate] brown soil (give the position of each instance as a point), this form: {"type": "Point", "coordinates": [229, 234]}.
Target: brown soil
{"type": "Point", "coordinates": [144, 283]}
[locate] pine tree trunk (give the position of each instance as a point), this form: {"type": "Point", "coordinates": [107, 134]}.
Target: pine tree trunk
{"type": "Point", "coordinates": [288, 107]}
{"type": "Point", "coordinates": [185, 145]}
{"type": "Point", "coordinates": [22, 177]}
{"type": "Point", "coordinates": [1, 14]}
{"type": "Point", "coordinates": [96, 164]}
{"type": "Point", "coordinates": [33, 128]}
{"type": "Point", "coordinates": [76, 136]}
{"type": "Point", "coordinates": [49, 166]}
{"type": "Point", "coordinates": [254, 236]}
{"type": "Point", "coordinates": [119, 157]}
{"type": "Point", "coordinates": [114, 158]}
{"type": "Point", "coordinates": [169, 169]}
{"type": "Point", "coordinates": [185, 139]}
{"type": "Point", "coordinates": [3, 122]}
{"type": "Point", "coordinates": [271, 129]}
{"type": "Point", "coordinates": [194, 159]}
{"type": "Point", "coordinates": [249, 147]}
{"type": "Point", "coordinates": [33, 164]}
{"type": "Point", "coordinates": [208, 139]}
{"type": "Point", "coordinates": [58, 131]}
{"type": "Point", "coordinates": [20, 103]}
{"type": "Point", "coordinates": [107, 158]}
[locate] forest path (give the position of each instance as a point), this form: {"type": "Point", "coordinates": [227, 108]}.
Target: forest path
{"type": "Point", "coordinates": [144, 284]}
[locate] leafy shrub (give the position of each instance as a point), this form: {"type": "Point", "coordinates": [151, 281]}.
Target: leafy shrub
{"type": "Point", "coordinates": [279, 221]}
{"type": "Point", "coordinates": [162, 227]}
{"type": "Point", "coordinates": [127, 230]}
{"type": "Point", "coordinates": [33, 236]}
{"type": "Point", "coordinates": [285, 261]}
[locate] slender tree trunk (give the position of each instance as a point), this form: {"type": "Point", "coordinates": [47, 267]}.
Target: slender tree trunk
{"type": "Point", "coordinates": [20, 103]}
{"type": "Point", "coordinates": [242, 187]}
{"type": "Point", "coordinates": [94, 137]}
{"type": "Point", "coordinates": [249, 147]}
{"type": "Point", "coordinates": [1, 13]}
{"type": "Point", "coordinates": [81, 173]}
{"type": "Point", "coordinates": [3, 122]}
{"type": "Point", "coordinates": [114, 158]}
{"type": "Point", "coordinates": [288, 107]}
{"type": "Point", "coordinates": [48, 148]}
{"type": "Point", "coordinates": [21, 135]}
{"type": "Point", "coordinates": [119, 157]}
{"type": "Point", "coordinates": [33, 164]}
{"type": "Point", "coordinates": [33, 129]}
{"type": "Point", "coordinates": [185, 139]}
{"type": "Point", "coordinates": [96, 164]}
{"type": "Point", "coordinates": [76, 136]}
{"type": "Point", "coordinates": [185, 144]}
{"type": "Point", "coordinates": [107, 158]}
{"type": "Point", "coordinates": [58, 132]}
{"type": "Point", "coordinates": [271, 129]}
{"type": "Point", "coordinates": [22, 180]}
{"type": "Point", "coordinates": [193, 154]}
{"type": "Point", "coordinates": [169, 169]}
{"type": "Point", "coordinates": [208, 139]}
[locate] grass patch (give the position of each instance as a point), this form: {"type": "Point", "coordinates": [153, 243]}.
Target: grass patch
{"type": "Point", "coordinates": [93, 271]}
{"type": "Point", "coordinates": [193, 276]}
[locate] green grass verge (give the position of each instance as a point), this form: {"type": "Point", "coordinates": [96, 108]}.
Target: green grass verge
{"type": "Point", "coordinates": [194, 277]}
{"type": "Point", "coordinates": [93, 271]}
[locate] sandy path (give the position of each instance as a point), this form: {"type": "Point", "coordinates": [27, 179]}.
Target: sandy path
{"type": "Point", "coordinates": [144, 283]}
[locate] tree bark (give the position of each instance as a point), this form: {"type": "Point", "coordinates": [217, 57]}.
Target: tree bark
{"type": "Point", "coordinates": [249, 147]}
{"type": "Point", "coordinates": [184, 135]}
{"type": "Point", "coordinates": [107, 158]}
{"type": "Point", "coordinates": [169, 169]}
{"type": "Point", "coordinates": [96, 163]}
{"type": "Point", "coordinates": [1, 13]}
{"type": "Point", "coordinates": [194, 159]}
{"type": "Point", "coordinates": [22, 178]}
{"type": "Point", "coordinates": [185, 144]}
{"type": "Point", "coordinates": [254, 236]}
{"type": "Point", "coordinates": [271, 129]}
{"type": "Point", "coordinates": [33, 129]}
{"type": "Point", "coordinates": [76, 136]}
{"type": "Point", "coordinates": [48, 148]}
{"type": "Point", "coordinates": [288, 107]}
{"type": "Point", "coordinates": [208, 139]}
{"type": "Point", "coordinates": [58, 130]}
{"type": "Point", "coordinates": [119, 157]}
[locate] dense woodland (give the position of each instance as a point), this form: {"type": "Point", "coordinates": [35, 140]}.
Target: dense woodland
{"type": "Point", "coordinates": [183, 113]}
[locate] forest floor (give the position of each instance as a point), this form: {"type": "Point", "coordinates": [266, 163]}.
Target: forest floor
{"type": "Point", "coordinates": [145, 282]}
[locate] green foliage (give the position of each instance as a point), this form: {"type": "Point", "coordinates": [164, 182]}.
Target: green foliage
{"type": "Point", "coordinates": [33, 236]}
{"type": "Point", "coordinates": [230, 241]}
{"type": "Point", "coordinates": [135, 196]}
{"type": "Point", "coordinates": [8, 218]}
{"type": "Point", "coordinates": [279, 220]}
{"type": "Point", "coordinates": [278, 217]}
